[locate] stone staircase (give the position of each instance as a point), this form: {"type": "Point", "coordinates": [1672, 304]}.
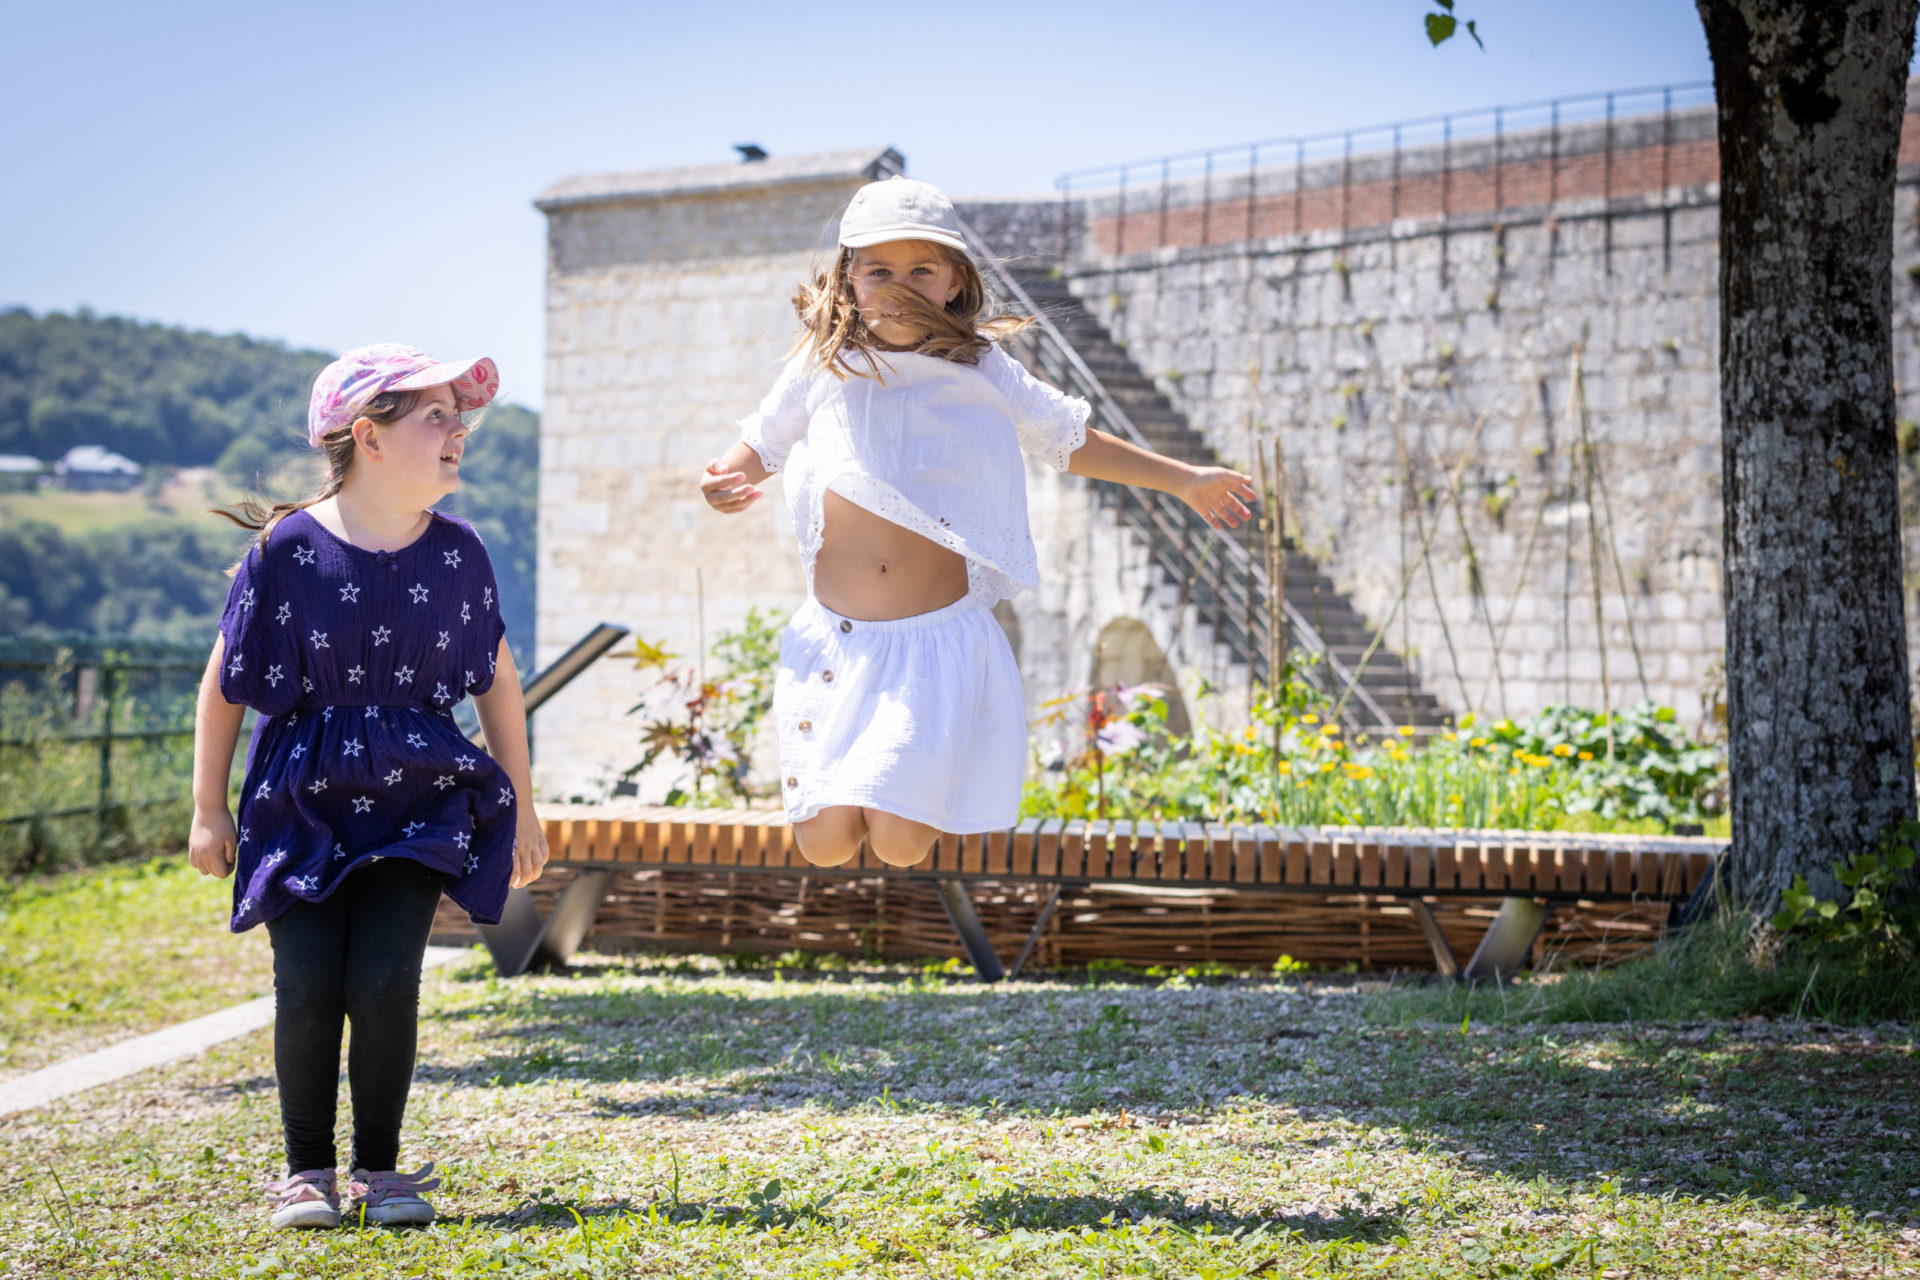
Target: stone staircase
{"type": "Point", "coordinates": [1345, 634]}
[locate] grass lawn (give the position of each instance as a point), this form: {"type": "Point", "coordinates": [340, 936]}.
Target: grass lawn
{"type": "Point", "coordinates": [682, 1119]}
{"type": "Point", "coordinates": [92, 957]}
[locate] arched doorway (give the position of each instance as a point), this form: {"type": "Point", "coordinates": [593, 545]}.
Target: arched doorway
{"type": "Point", "coordinates": [1127, 653]}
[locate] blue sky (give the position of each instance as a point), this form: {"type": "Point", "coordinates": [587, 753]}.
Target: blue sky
{"type": "Point", "coordinates": [357, 172]}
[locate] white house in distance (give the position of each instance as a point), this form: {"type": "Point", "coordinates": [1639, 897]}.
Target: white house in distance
{"type": "Point", "coordinates": [89, 467]}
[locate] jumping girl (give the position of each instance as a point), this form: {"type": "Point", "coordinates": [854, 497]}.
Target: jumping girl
{"type": "Point", "coordinates": [901, 424]}
{"type": "Point", "coordinates": [356, 621]}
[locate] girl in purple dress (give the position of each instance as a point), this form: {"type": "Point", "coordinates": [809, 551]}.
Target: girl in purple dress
{"type": "Point", "coordinates": [356, 621]}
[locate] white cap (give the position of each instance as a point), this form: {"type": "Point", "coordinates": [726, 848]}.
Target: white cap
{"type": "Point", "coordinates": [900, 209]}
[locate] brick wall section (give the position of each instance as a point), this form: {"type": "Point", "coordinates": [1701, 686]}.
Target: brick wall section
{"type": "Point", "coordinates": [1526, 172]}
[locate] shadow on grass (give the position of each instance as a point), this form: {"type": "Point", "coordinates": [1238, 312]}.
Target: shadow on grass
{"type": "Point", "coordinates": [540, 1214]}
{"type": "Point", "coordinates": [1769, 1110]}
{"type": "Point", "coordinates": [1018, 1209]}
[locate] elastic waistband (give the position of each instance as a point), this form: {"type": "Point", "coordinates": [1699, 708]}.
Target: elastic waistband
{"type": "Point", "coordinates": [813, 612]}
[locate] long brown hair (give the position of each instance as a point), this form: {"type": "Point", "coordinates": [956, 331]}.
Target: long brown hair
{"type": "Point", "coordinates": [252, 513]}
{"type": "Point", "coordinates": [831, 324]}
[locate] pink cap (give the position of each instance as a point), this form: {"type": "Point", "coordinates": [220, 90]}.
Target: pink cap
{"type": "Point", "coordinates": [344, 387]}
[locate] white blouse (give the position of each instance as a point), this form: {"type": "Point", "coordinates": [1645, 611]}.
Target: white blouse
{"type": "Point", "coordinates": [932, 445]}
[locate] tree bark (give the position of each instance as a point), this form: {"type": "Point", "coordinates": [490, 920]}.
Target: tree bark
{"type": "Point", "coordinates": [1820, 746]}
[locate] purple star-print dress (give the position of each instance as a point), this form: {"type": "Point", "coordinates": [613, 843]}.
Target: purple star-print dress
{"type": "Point", "coordinates": [355, 660]}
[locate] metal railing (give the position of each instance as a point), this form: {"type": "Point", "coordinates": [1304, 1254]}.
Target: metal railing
{"type": "Point", "coordinates": [1218, 576]}
{"type": "Point", "coordinates": [1491, 160]}
{"type": "Point", "coordinates": [100, 697]}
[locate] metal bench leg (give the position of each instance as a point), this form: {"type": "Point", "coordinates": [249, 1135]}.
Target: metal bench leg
{"type": "Point", "coordinates": [1039, 927]}
{"type": "Point", "coordinates": [572, 917]}
{"type": "Point", "coordinates": [513, 941]}
{"type": "Point", "coordinates": [1443, 957]}
{"type": "Point", "coordinates": [973, 934]}
{"type": "Point", "coordinates": [1503, 951]}
{"type": "Point", "coordinates": [522, 940]}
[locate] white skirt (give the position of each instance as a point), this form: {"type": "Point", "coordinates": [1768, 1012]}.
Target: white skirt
{"type": "Point", "coordinates": [921, 717]}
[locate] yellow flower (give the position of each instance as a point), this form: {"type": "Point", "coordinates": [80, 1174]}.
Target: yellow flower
{"type": "Point", "coordinates": [1406, 731]}
{"type": "Point", "coordinates": [1563, 751]}
{"type": "Point", "coordinates": [1540, 762]}
{"type": "Point", "coordinates": [1521, 752]}
{"type": "Point", "coordinates": [1284, 767]}
{"type": "Point", "coordinates": [1330, 730]}
{"type": "Point", "coordinates": [1453, 799]}
{"type": "Point", "coordinates": [1477, 742]}
{"type": "Point", "coordinates": [1357, 771]}
{"type": "Point", "coordinates": [1250, 733]}
{"type": "Point", "coordinates": [1451, 736]}
{"type": "Point", "coordinates": [1309, 719]}
{"type": "Point", "coordinates": [1403, 755]}
{"type": "Point", "coordinates": [1586, 755]}
{"type": "Point", "coordinates": [1303, 782]}
{"type": "Point", "coordinates": [1513, 773]}
{"type": "Point", "coordinates": [1327, 766]}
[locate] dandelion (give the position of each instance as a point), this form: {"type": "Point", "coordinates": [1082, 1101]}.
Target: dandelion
{"type": "Point", "coordinates": [1250, 732]}
{"type": "Point", "coordinates": [1451, 736]}
{"type": "Point", "coordinates": [1403, 755]}
{"type": "Point", "coordinates": [1563, 750]}
{"type": "Point", "coordinates": [1453, 799]}
{"type": "Point", "coordinates": [1513, 773]}
{"type": "Point", "coordinates": [1358, 771]}
{"type": "Point", "coordinates": [1309, 719]}
{"type": "Point", "coordinates": [1520, 752]}
{"type": "Point", "coordinates": [1327, 766]}
{"type": "Point", "coordinates": [1586, 755]}
{"type": "Point", "coordinates": [1285, 766]}
{"type": "Point", "coordinates": [1406, 731]}
{"type": "Point", "coordinates": [1477, 742]}
{"type": "Point", "coordinates": [1330, 730]}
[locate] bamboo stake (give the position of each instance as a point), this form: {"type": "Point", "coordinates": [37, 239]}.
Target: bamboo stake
{"type": "Point", "coordinates": [1593, 553]}
{"type": "Point", "coordinates": [1513, 601]}
{"type": "Point", "coordinates": [1473, 565]}
{"type": "Point", "coordinates": [1419, 523]}
{"type": "Point", "coordinates": [1613, 546]}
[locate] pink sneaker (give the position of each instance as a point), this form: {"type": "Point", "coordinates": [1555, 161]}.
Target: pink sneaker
{"type": "Point", "coordinates": [305, 1199]}
{"type": "Point", "coordinates": [392, 1199]}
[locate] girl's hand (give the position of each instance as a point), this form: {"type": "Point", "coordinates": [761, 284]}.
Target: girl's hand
{"type": "Point", "coordinates": [727, 491]}
{"type": "Point", "coordinates": [1220, 495]}
{"type": "Point", "coordinates": [211, 843]}
{"type": "Point", "coordinates": [529, 846]}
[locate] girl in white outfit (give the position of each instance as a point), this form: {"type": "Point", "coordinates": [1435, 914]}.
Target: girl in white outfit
{"type": "Point", "coordinates": [900, 425]}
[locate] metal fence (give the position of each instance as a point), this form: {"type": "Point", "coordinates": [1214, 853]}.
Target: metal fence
{"type": "Point", "coordinates": [92, 729]}
{"type": "Point", "coordinates": [1493, 162]}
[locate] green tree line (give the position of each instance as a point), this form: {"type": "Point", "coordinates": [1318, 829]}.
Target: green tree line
{"type": "Point", "coordinates": [166, 396]}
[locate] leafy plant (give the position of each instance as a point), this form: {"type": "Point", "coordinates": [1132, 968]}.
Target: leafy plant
{"type": "Point", "coordinates": [709, 724]}
{"type": "Point", "coordinates": [1878, 927]}
{"type": "Point", "coordinates": [1291, 764]}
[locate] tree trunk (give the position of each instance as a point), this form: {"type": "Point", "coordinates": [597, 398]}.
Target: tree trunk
{"type": "Point", "coordinates": [1810, 100]}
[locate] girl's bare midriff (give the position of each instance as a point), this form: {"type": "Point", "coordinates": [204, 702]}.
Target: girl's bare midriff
{"type": "Point", "coordinates": [872, 569]}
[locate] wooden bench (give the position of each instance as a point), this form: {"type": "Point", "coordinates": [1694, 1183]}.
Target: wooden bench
{"type": "Point", "coordinates": [1528, 871]}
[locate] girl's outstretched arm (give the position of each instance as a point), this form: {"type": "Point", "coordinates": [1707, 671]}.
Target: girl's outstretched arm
{"type": "Point", "coordinates": [503, 722]}
{"type": "Point", "coordinates": [211, 840]}
{"type": "Point", "coordinates": [1219, 494]}
{"type": "Point", "coordinates": [731, 481]}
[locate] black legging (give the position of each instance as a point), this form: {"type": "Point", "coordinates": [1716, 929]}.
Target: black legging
{"type": "Point", "coordinates": [355, 956]}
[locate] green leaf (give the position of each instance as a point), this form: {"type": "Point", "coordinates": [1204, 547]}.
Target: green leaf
{"type": "Point", "coordinates": [1476, 37]}
{"type": "Point", "coordinates": [771, 1191]}
{"type": "Point", "coordinates": [1440, 27]}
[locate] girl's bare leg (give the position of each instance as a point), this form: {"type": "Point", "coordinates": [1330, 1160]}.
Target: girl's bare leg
{"type": "Point", "coordinates": [832, 836]}
{"type": "Point", "coordinates": [898, 841]}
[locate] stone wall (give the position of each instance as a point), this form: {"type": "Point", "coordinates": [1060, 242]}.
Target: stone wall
{"type": "Point", "coordinates": [1390, 359]}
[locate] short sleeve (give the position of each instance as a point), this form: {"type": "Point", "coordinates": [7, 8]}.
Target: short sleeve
{"type": "Point", "coordinates": [259, 664]}
{"type": "Point", "coordinates": [781, 420]}
{"type": "Point", "coordinates": [483, 627]}
{"type": "Point", "coordinates": [1051, 424]}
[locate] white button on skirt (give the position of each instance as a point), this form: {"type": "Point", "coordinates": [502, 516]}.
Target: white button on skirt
{"type": "Point", "coordinates": [920, 717]}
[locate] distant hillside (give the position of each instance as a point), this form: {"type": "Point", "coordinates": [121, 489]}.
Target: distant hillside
{"type": "Point", "coordinates": [168, 398]}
